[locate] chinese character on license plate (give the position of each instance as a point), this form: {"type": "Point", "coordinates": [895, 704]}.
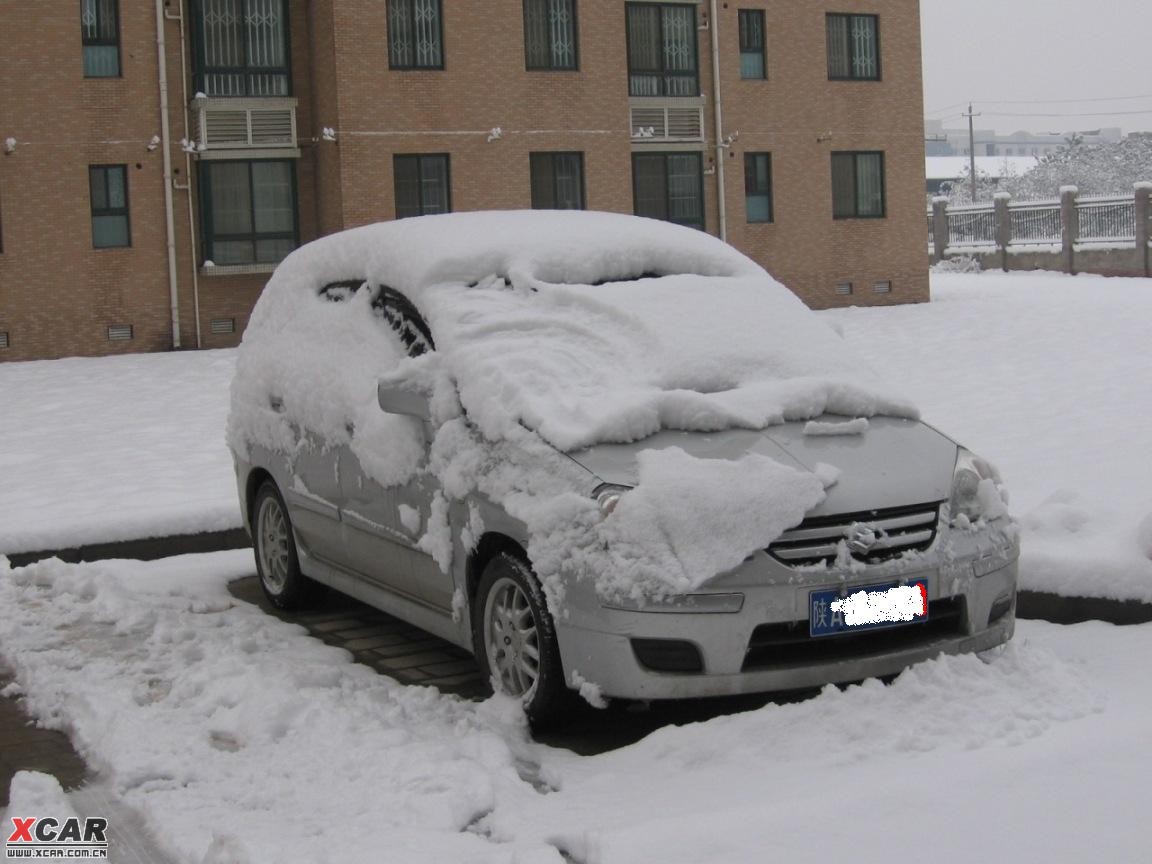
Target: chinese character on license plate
{"type": "Point", "coordinates": [869, 607]}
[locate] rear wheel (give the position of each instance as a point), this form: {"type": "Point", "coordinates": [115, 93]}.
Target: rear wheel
{"type": "Point", "coordinates": [276, 559]}
{"type": "Point", "coordinates": [516, 640]}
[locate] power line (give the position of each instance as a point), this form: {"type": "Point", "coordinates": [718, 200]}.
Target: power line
{"type": "Point", "coordinates": [1075, 114]}
{"type": "Point", "coordinates": [1062, 101]}
{"type": "Point", "coordinates": [1087, 99]}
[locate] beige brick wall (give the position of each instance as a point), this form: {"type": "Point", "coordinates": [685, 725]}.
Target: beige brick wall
{"type": "Point", "coordinates": [58, 295]}
{"type": "Point", "coordinates": [801, 117]}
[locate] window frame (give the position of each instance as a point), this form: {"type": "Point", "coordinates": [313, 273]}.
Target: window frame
{"type": "Point", "coordinates": [855, 156]}
{"type": "Point", "coordinates": [96, 42]}
{"type": "Point", "coordinates": [420, 157]}
{"type": "Point", "coordinates": [702, 225]}
{"type": "Point", "coordinates": [551, 154]}
{"type": "Point", "coordinates": [752, 155]}
{"type": "Point", "coordinates": [209, 235]}
{"type": "Point", "coordinates": [741, 15]}
{"type": "Point", "coordinates": [202, 70]}
{"type": "Point", "coordinates": [662, 74]}
{"type": "Point", "coordinates": [414, 66]}
{"type": "Point", "coordinates": [125, 211]}
{"type": "Point", "coordinates": [879, 76]}
{"type": "Point", "coordinates": [575, 67]}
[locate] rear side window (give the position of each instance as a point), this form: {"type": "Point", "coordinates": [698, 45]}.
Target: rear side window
{"type": "Point", "coordinates": [338, 292]}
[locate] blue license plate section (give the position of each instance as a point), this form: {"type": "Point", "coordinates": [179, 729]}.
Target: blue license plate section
{"type": "Point", "coordinates": [823, 620]}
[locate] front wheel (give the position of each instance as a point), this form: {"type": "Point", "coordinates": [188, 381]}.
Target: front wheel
{"type": "Point", "coordinates": [276, 560]}
{"type": "Point", "coordinates": [516, 640]}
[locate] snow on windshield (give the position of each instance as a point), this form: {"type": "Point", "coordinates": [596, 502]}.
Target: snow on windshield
{"type": "Point", "coordinates": [619, 361]}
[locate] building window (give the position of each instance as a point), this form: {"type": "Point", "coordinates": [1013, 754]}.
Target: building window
{"type": "Point", "coordinates": [242, 48]}
{"type": "Point", "coordinates": [669, 186]}
{"type": "Point", "coordinates": [422, 184]}
{"type": "Point", "coordinates": [758, 187]}
{"type": "Point", "coordinates": [108, 194]}
{"type": "Point", "coordinates": [415, 34]}
{"type": "Point", "coordinates": [853, 47]}
{"type": "Point", "coordinates": [550, 34]}
{"type": "Point", "coordinates": [557, 181]}
{"type": "Point", "coordinates": [662, 50]}
{"type": "Point", "coordinates": [857, 185]}
{"type": "Point", "coordinates": [100, 28]}
{"type": "Point", "coordinates": [752, 63]}
{"type": "Point", "coordinates": [249, 211]}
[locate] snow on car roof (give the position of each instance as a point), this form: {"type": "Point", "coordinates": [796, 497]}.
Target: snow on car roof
{"type": "Point", "coordinates": [586, 327]}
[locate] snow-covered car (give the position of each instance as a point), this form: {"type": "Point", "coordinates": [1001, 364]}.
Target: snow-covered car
{"type": "Point", "coordinates": [606, 454]}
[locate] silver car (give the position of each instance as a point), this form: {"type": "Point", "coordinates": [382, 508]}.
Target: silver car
{"type": "Point", "coordinates": [910, 508]}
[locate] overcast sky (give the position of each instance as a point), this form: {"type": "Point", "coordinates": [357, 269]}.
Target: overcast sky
{"type": "Point", "coordinates": [1035, 51]}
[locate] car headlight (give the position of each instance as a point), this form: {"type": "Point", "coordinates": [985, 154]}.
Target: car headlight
{"type": "Point", "coordinates": [607, 495]}
{"type": "Point", "coordinates": [977, 491]}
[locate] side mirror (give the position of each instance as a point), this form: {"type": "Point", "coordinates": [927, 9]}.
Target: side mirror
{"type": "Point", "coordinates": [396, 399]}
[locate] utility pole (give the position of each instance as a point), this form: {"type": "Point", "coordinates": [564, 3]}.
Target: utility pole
{"type": "Point", "coordinates": [971, 151]}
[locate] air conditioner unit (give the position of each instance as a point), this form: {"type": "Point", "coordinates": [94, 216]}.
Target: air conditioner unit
{"type": "Point", "coordinates": [244, 124]}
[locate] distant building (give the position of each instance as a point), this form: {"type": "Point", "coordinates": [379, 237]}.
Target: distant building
{"type": "Point", "coordinates": [939, 170]}
{"type": "Point", "coordinates": [954, 142]}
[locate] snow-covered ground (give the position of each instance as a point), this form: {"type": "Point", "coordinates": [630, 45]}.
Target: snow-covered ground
{"type": "Point", "coordinates": [241, 739]}
{"type": "Point", "coordinates": [114, 448]}
{"type": "Point", "coordinates": [1048, 376]}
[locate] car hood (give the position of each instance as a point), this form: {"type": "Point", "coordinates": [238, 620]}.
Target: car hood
{"type": "Point", "coordinates": [893, 463]}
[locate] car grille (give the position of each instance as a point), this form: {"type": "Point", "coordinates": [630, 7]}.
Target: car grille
{"type": "Point", "coordinates": [788, 643]}
{"type": "Point", "coordinates": [895, 531]}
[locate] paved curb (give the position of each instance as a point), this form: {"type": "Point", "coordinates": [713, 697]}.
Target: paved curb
{"type": "Point", "coordinates": [146, 549]}
{"type": "Point", "coordinates": [1074, 610]}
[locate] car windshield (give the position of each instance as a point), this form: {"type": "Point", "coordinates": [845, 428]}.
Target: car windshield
{"type": "Point", "coordinates": [619, 360]}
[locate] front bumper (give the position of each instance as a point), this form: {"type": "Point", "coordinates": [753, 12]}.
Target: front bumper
{"type": "Point", "coordinates": [600, 646]}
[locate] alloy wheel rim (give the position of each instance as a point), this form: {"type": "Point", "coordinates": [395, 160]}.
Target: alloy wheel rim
{"type": "Point", "coordinates": [511, 639]}
{"type": "Point", "coordinates": [272, 535]}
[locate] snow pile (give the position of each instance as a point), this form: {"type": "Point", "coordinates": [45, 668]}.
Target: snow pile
{"type": "Point", "coordinates": [33, 794]}
{"type": "Point", "coordinates": [239, 737]}
{"type": "Point", "coordinates": [856, 426]}
{"type": "Point", "coordinates": [1047, 376]}
{"type": "Point", "coordinates": [230, 728]}
{"type": "Point", "coordinates": [691, 518]}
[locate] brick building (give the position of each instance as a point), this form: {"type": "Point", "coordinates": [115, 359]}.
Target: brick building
{"type": "Point", "coordinates": [158, 158]}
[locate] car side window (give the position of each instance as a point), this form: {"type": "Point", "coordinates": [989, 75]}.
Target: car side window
{"type": "Point", "coordinates": [402, 316]}
{"type": "Point", "coordinates": [338, 292]}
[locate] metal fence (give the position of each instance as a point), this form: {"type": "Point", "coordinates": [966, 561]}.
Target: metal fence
{"type": "Point", "coordinates": [971, 226]}
{"type": "Point", "coordinates": [1035, 222]}
{"type": "Point", "coordinates": [1106, 220]}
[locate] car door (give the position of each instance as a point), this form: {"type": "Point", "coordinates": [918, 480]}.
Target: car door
{"type": "Point", "coordinates": [312, 492]}
{"type": "Point", "coordinates": [383, 524]}
{"type": "Point", "coordinates": [312, 496]}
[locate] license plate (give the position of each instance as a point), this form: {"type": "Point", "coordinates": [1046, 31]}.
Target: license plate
{"type": "Point", "coordinates": [888, 605]}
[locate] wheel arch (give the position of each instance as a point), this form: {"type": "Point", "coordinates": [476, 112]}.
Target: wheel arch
{"type": "Point", "coordinates": [256, 479]}
{"type": "Point", "coordinates": [491, 544]}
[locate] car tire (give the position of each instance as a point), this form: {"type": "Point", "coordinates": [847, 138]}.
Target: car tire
{"type": "Point", "coordinates": [277, 563]}
{"type": "Point", "coordinates": [510, 624]}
